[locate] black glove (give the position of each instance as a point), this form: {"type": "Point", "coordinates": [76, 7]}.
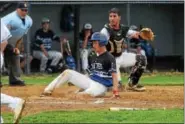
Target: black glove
{"type": "Point", "coordinates": [9, 50]}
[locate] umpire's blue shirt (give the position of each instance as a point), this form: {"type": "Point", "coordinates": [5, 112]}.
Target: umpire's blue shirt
{"type": "Point", "coordinates": [16, 26]}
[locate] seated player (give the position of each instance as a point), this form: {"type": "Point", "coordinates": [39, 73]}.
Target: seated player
{"type": "Point", "coordinates": [85, 45]}
{"type": "Point", "coordinates": [42, 47]}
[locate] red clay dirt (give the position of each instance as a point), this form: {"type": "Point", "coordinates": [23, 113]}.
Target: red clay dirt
{"type": "Point", "coordinates": [64, 98]}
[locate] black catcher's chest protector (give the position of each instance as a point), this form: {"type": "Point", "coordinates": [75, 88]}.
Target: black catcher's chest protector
{"type": "Point", "coordinates": [116, 40]}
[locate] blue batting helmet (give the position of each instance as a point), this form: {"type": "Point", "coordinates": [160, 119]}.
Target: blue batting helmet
{"type": "Point", "coordinates": [97, 36]}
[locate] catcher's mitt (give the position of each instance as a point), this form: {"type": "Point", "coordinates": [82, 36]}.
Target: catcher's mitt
{"type": "Point", "coordinates": [146, 34]}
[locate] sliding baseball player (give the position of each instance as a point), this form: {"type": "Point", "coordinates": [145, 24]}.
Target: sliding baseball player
{"type": "Point", "coordinates": [102, 72]}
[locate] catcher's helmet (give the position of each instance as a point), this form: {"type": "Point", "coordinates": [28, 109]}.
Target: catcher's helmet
{"type": "Point", "coordinates": [97, 36]}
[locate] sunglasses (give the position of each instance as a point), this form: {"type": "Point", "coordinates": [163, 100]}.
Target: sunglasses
{"type": "Point", "coordinates": [24, 10]}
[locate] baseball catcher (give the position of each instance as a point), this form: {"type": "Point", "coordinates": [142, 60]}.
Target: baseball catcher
{"type": "Point", "coordinates": [102, 72]}
{"type": "Point", "coordinates": [116, 34]}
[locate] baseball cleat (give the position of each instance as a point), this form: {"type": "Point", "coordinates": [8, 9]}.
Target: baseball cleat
{"type": "Point", "coordinates": [18, 110]}
{"type": "Point", "coordinates": [137, 87]}
{"type": "Point", "coordinates": [45, 94]}
{"type": "Point", "coordinates": [140, 87]}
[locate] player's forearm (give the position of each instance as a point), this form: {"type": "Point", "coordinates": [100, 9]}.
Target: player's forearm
{"type": "Point", "coordinates": [43, 49]}
{"type": "Point", "coordinates": [61, 47]}
{"type": "Point", "coordinates": [115, 81]}
{"type": "Point", "coordinates": [84, 44]}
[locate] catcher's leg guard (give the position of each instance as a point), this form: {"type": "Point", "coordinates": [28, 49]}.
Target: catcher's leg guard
{"type": "Point", "coordinates": [137, 70]}
{"type": "Point", "coordinates": [135, 75]}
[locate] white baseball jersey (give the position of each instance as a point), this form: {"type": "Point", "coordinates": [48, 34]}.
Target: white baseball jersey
{"type": "Point", "coordinates": [5, 33]}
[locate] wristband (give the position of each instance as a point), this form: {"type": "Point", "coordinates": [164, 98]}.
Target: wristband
{"type": "Point", "coordinates": [115, 92]}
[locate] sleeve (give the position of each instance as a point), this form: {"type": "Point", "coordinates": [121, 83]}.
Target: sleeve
{"type": "Point", "coordinates": [125, 31]}
{"type": "Point", "coordinates": [54, 36]}
{"type": "Point", "coordinates": [30, 24]}
{"type": "Point", "coordinates": [112, 65]}
{"type": "Point", "coordinates": [105, 32]}
{"type": "Point", "coordinates": [7, 20]}
{"type": "Point", "coordinates": [38, 39]}
{"type": "Point", "coordinates": [130, 33]}
{"type": "Point", "coordinates": [5, 33]}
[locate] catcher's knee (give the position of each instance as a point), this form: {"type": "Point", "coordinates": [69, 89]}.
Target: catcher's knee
{"type": "Point", "coordinates": [138, 69]}
{"type": "Point", "coordinates": [141, 61]}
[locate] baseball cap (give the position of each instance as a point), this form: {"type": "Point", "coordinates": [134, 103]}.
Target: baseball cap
{"type": "Point", "coordinates": [87, 26]}
{"type": "Point", "coordinates": [45, 20]}
{"type": "Point", "coordinates": [22, 5]}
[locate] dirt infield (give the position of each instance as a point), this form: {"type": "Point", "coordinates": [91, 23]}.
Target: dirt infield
{"type": "Point", "coordinates": [65, 99]}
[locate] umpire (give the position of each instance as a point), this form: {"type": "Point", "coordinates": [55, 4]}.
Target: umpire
{"type": "Point", "coordinates": [18, 22]}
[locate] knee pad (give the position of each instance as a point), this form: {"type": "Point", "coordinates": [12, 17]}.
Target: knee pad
{"type": "Point", "coordinates": [141, 61]}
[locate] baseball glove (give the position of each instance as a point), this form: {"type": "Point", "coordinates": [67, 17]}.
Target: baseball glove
{"type": "Point", "coordinates": [146, 34]}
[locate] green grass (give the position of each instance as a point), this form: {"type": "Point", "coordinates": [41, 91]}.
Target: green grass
{"type": "Point", "coordinates": [146, 116]}
{"type": "Point", "coordinates": [147, 79]}
{"type": "Point", "coordinates": [160, 79]}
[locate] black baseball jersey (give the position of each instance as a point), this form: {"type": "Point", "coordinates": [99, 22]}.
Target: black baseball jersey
{"type": "Point", "coordinates": [101, 68]}
{"type": "Point", "coordinates": [44, 38]}
{"type": "Point", "coordinates": [116, 40]}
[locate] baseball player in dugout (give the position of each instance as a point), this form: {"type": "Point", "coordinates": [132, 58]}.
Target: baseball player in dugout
{"type": "Point", "coordinates": [86, 45]}
{"type": "Point", "coordinates": [18, 22]}
{"type": "Point", "coordinates": [42, 47]}
{"type": "Point", "coordinates": [116, 34]}
{"type": "Point", "coordinates": [102, 72]}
